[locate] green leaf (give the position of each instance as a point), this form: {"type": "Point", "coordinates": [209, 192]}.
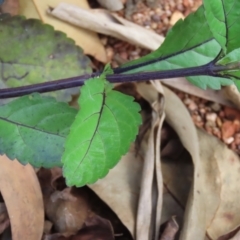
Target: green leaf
{"type": "Point", "coordinates": [189, 43]}
{"type": "Point", "coordinates": [32, 52]}
{"type": "Point", "coordinates": [105, 126]}
{"type": "Point", "coordinates": [222, 14]}
{"type": "Point", "coordinates": [182, 39]}
{"type": "Point", "coordinates": [216, 18]}
{"type": "Point", "coordinates": [233, 56]}
{"type": "Point", "coordinates": [211, 82]}
{"type": "Point", "coordinates": [33, 130]}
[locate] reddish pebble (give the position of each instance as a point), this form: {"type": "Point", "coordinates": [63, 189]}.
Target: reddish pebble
{"type": "Point", "coordinates": [228, 130]}
{"type": "Point", "coordinates": [231, 113]}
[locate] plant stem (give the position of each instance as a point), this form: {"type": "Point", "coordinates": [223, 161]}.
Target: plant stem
{"type": "Point", "coordinates": [207, 70]}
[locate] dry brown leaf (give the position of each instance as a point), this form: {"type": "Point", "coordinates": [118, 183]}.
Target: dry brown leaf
{"type": "Point", "coordinates": [120, 188]}
{"type": "Point", "coordinates": [232, 94]}
{"type": "Point", "coordinates": [22, 195]}
{"type": "Point", "coordinates": [67, 210]}
{"type": "Point", "coordinates": [213, 201]}
{"type": "Point", "coordinates": [220, 177]}
{"type": "Point", "coordinates": [150, 199]}
{"type": "Point", "coordinates": [107, 23]}
{"type": "Point", "coordinates": [86, 39]}
{"type": "Point", "coordinates": [178, 117]}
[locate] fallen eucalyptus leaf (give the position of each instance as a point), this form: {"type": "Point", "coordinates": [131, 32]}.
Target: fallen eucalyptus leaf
{"type": "Point", "coordinates": [107, 23]}
{"type": "Point", "coordinates": [23, 198]}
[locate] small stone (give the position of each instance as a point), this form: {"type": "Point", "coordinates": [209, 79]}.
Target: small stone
{"type": "Point", "coordinates": [187, 101]}
{"type": "Point", "coordinates": [211, 117]}
{"type": "Point", "coordinates": [192, 106]}
{"type": "Point", "coordinates": [154, 25]}
{"type": "Point", "coordinates": [110, 52]}
{"type": "Point", "coordinates": [199, 124]}
{"type": "Point", "coordinates": [124, 55]}
{"type": "Point", "coordinates": [156, 18]}
{"type": "Point", "coordinates": [228, 130]}
{"type": "Point", "coordinates": [221, 114]}
{"type": "Point", "coordinates": [236, 125]}
{"type": "Point", "coordinates": [196, 118]}
{"type": "Point", "coordinates": [229, 140]}
{"type": "Point", "coordinates": [202, 111]}
{"type": "Point", "coordinates": [219, 122]}
{"type": "Point", "coordinates": [210, 124]}
{"type": "Point", "coordinates": [215, 107]}
{"type": "Point", "coordinates": [175, 17]}
{"type": "Point", "coordinates": [231, 113]}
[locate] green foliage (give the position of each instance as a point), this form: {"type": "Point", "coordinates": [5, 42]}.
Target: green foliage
{"type": "Point", "coordinates": [103, 129]}
{"type": "Point", "coordinates": [232, 60]}
{"type": "Point", "coordinates": [230, 57]}
{"type": "Point", "coordinates": [199, 47]}
{"type": "Point", "coordinates": [33, 130]}
{"type": "Point", "coordinates": [32, 52]}
{"type": "Point", "coordinates": [175, 45]}
{"type": "Point", "coordinates": [223, 18]}
{"type": "Point", "coordinates": [216, 19]}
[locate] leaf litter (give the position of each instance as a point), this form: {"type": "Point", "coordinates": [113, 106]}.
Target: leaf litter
{"type": "Point", "coordinates": [203, 195]}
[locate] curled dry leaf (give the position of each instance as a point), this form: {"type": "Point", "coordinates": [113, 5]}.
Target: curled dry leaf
{"type": "Point", "coordinates": [107, 23]}
{"type": "Point", "coordinates": [232, 94]}
{"type": "Point", "coordinates": [212, 203]}
{"type": "Point", "coordinates": [87, 40]}
{"type": "Point", "coordinates": [120, 188]}
{"type": "Point", "coordinates": [67, 210]}
{"type": "Point", "coordinates": [220, 178]}
{"type": "Point", "coordinates": [22, 195]}
{"type": "Point", "coordinates": [150, 199]}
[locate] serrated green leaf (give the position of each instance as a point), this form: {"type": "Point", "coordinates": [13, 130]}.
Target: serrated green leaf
{"type": "Point", "coordinates": [223, 18]}
{"type": "Point", "coordinates": [33, 130]}
{"type": "Point", "coordinates": [211, 82]}
{"type": "Point", "coordinates": [216, 18]}
{"type": "Point", "coordinates": [105, 126]}
{"type": "Point", "coordinates": [233, 56]}
{"type": "Point", "coordinates": [32, 52]}
{"type": "Point", "coordinates": [189, 43]}
{"type": "Point", "coordinates": [236, 80]}
{"type": "Point", "coordinates": [181, 39]}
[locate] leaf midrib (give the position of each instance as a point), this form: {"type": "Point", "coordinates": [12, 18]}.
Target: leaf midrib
{"type": "Point", "coordinates": [131, 67]}
{"type": "Point", "coordinates": [26, 126]}
{"type": "Point", "coordinates": [95, 131]}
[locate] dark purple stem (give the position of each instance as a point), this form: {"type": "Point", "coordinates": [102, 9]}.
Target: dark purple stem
{"type": "Point", "coordinates": [114, 78]}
